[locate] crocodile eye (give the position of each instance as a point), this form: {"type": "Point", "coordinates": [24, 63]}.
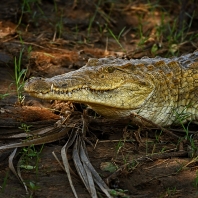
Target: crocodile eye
{"type": "Point", "coordinates": [111, 69]}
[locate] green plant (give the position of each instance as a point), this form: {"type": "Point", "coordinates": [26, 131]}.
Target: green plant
{"type": "Point", "coordinates": [19, 77]}
{"type": "Point", "coordinates": [29, 153]}
{"type": "Point", "coordinates": [117, 38]}
{"type": "Point", "coordinates": [59, 24]}
{"type": "Point", "coordinates": [93, 18]}
{"type": "Point", "coordinates": [169, 30]}
{"type": "Point", "coordinates": [171, 191]}
{"type": "Point", "coordinates": [160, 29]}
{"type": "Point", "coordinates": [29, 161]}
{"type": "Point", "coordinates": [33, 15]}
{"type": "Point", "coordinates": [157, 136]}
{"type": "Point", "coordinates": [26, 7]}
{"type": "Point", "coordinates": [101, 28]}
{"type": "Point", "coordinates": [154, 49]}
{"type": "Point", "coordinates": [25, 127]}
{"type": "Point", "coordinates": [176, 36]}
{"type": "Point", "coordinates": [29, 50]}
{"type": "Point", "coordinates": [2, 96]}
{"type": "Point", "coordinates": [59, 27]}
{"type": "Point", "coordinates": [139, 29]}
{"type": "Point", "coordinates": [76, 30]}
{"type": "Point", "coordinates": [132, 165]}
{"type": "Point", "coordinates": [193, 146]}
{"type": "Point", "coordinates": [196, 180]}
{"type": "Point", "coordinates": [5, 179]}
{"type": "Point", "coordinates": [32, 187]}
{"type": "Point", "coordinates": [119, 193]}
{"type": "Point", "coordinates": [119, 146]}
{"type": "Point", "coordinates": [181, 117]}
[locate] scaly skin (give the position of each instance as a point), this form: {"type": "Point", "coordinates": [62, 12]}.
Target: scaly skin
{"type": "Point", "coordinates": [158, 89]}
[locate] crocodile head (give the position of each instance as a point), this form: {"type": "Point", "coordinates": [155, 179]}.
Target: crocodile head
{"type": "Point", "coordinates": [110, 88]}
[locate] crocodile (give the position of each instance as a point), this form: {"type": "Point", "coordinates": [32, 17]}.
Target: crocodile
{"type": "Point", "coordinates": [161, 90]}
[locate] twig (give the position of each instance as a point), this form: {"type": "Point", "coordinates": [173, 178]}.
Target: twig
{"type": "Point", "coordinates": [155, 125]}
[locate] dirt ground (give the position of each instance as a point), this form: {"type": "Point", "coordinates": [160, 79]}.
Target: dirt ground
{"type": "Point", "coordinates": [54, 37]}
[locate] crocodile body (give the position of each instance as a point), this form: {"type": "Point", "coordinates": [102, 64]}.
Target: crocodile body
{"type": "Point", "coordinates": [162, 90]}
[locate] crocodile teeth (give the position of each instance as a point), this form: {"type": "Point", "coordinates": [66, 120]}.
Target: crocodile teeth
{"type": "Point", "coordinates": [52, 86]}
{"type": "Point", "coordinates": [69, 94]}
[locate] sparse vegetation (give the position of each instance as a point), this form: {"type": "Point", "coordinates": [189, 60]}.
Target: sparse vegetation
{"type": "Point", "coordinates": [27, 9]}
{"type": "Point", "coordinates": [19, 77]}
{"type": "Point", "coordinates": [189, 137]}
{"type": "Point", "coordinates": [170, 192]}
{"type": "Point", "coordinates": [137, 29]}
{"type": "Point", "coordinates": [92, 19]}
{"type": "Point", "coordinates": [196, 180]}
{"type": "Point", "coordinates": [2, 96]}
{"type": "Point", "coordinates": [117, 38]}
{"type": "Point", "coordinates": [29, 160]}
{"type": "Point", "coordinates": [5, 179]}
